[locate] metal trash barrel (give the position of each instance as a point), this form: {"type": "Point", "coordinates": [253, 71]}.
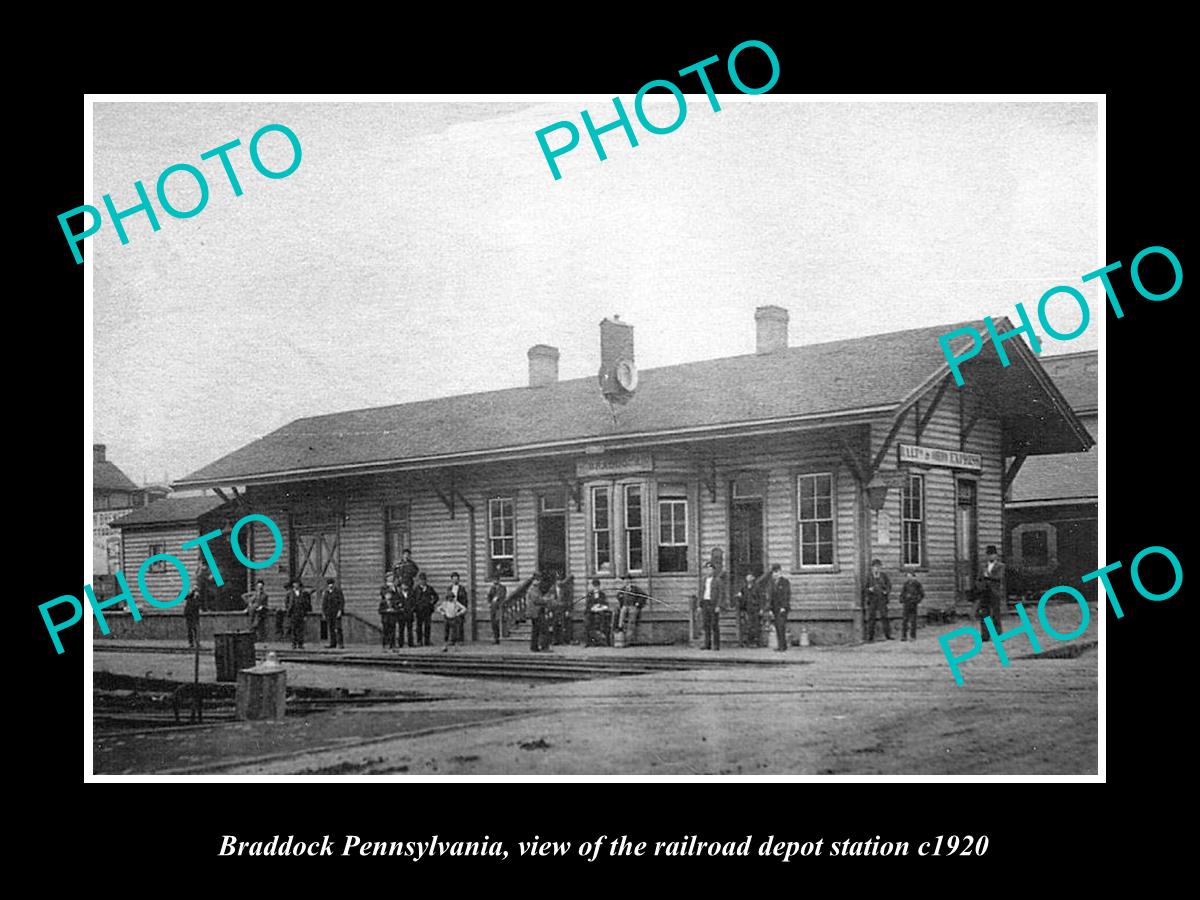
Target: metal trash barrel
{"type": "Point", "coordinates": [262, 691]}
{"type": "Point", "coordinates": [234, 651]}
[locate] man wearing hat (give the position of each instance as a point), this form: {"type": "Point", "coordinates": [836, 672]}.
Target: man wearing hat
{"type": "Point", "coordinates": [333, 604]}
{"type": "Point", "coordinates": [406, 613]}
{"type": "Point", "coordinates": [406, 570]}
{"type": "Point", "coordinates": [879, 586]}
{"type": "Point", "coordinates": [535, 606]}
{"type": "Point", "coordinates": [426, 600]}
{"type": "Point", "coordinates": [990, 597]}
{"type": "Point", "coordinates": [778, 597]}
{"type": "Point", "coordinates": [712, 595]}
{"type": "Point", "coordinates": [298, 604]}
{"type": "Point", "coordinates": [388, 611]}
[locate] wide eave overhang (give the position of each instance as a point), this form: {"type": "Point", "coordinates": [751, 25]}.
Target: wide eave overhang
{"type": "Point", "coordinates": [590, 444]}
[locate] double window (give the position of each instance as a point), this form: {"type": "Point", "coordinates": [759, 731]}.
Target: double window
{"type": "Point", "coordinates": [610, 524]}
{"type": "Point", "coordinates": [814, 508]}
{"type": "Point", "coordinates": [501, 537]}
{"type": "Point", "coordinates": [912, 521]}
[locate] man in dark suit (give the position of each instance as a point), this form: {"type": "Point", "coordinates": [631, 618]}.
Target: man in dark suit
{"type": "Point", "coordinates": [990, 597]}
{"type": "Point", "coordinates": [779, 602]}
{"type": "Point", "coordinates": [535, 606]}
{"type": "Point", "coordinates": [630, 602]}
{"type": "Point", "coordinates": [191, 614]}
{"type": "Point", "coordinates": [749, 606]}
{"type": "Point", "coordinates": [333, 604]}
{"type": "Point", "coordinates": [878, 587]}
{"type": "Point", "coordinates": [458, 593]}
{"type": "Point", "coordinates": [497, 595]}
{"type": "Point", "coordinates": [406, 570]}
{"type": "Point", "coordinates": [712, 598]}
{"type": "Point", "coordinates": [406, 602]}
{"type": "Point", "coordinates": [426, 600]}
{"type": "Point", "coordinates": [388, 611]}
{"type": "Point", "coordinates": [298, 605]}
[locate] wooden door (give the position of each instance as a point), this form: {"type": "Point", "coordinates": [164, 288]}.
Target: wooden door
{"type": "Point", "coordinates": [316, 555]}
{"type": "Point", "coordinates": [966, 547]}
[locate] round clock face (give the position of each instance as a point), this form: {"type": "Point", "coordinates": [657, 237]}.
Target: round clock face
{"type": "Point", "coordinates": [627, 375]}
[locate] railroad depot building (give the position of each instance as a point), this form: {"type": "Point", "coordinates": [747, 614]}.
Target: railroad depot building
{"type": "Point", "coordinates": [819, 458]}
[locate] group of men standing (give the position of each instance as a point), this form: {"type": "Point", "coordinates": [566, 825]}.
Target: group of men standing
{"type": "Point", "coordinates": [297, 604]}
{"type": "Point", "coordinates": [990, 598]}
{"type": "Point", "coordinates": [407, 602]}
{"type": "Point", "coordinates": [764, 598]}
{"type": "Point", "coordinates": [876, 594]}
{"type": "Point", "coordinates": [550, 607]}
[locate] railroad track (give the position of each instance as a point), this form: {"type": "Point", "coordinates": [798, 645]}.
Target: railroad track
{"type": "Point", "coordinates": [546, 667]}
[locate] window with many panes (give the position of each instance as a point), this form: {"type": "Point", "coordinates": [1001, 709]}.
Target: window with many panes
{"type": "Point", "coordinates": [672, 529]}
{"type": "Point", "coordinates": [502, 537]}
{"type": "Point", "coordinates": [815, 518]}
{"type": "Point", "coordinates": [912, 521]}
{"type": "Point", "coordinates": [159, 565]}
{"type": "Point", "coordinates": [633, 528]}
{"type": "Point", "coordinates": [601, 530]}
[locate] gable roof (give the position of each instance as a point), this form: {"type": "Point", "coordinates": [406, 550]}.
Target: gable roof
{"type": "Point", "coordinates": [173, 510]}
{"type": "Point", "coordinates": [867, 375]}
{"type": "Point", "coordinates": [107, 477]}
{"type": "Point", "coordinates": [1077, 375]}
{"type": "Point", "coordinates": [1059, 477]}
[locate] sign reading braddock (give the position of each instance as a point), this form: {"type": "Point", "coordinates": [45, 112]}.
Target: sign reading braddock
{"type": "Point", "coordinates": [935, 456]}
{"type": "Point", "coordinates": [622, 464]}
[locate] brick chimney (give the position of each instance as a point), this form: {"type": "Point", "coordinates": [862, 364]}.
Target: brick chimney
{"type": "Point", "coordinates": [543, 365]}
{"type": "Point", "coordinates": [97, 453]}
{"type": "Point", "coordinates": [616, 342]}
{"type": "Point", "coordinates": [772, 326]}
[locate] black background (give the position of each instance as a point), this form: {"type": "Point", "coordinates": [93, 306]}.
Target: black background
{"type": "Point", "coordinates": [174, 830]}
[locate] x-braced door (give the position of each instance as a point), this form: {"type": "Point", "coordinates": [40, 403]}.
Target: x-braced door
{"type": "Point", "coordinates": [316, 555]}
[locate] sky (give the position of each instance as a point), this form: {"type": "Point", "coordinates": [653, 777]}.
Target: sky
{"type": "Point", "coordinates": [420, 249]}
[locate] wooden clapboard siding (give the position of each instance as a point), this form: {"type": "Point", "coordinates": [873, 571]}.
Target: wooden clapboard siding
{"type": "Point", "coordinates": [164, 585]}
{"type": "Point", "coordinates": [361, 547]}
{"type": "Point", "coordinates": [526, 525]}
{"type": "Point", "coordinates": [270, 502]}
{"type": "Point", "coordinates": [714, 520]}
{"type": "Point", "coordinates": [577, 543]}
{"type": "Point", "coordinates": [943, 431]}
{"type": "Point", "coordinates": [442, 543]}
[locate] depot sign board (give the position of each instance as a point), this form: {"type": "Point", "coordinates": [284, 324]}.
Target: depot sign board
{"type": "Point", "coordinates": [935, 456]}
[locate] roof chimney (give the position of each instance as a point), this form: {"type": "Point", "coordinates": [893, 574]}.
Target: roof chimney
{"type": "Point", "coordinates": [616, 342]}
{"type": "Point", "coordinates": [97, 453]}
{"type": "Point", "coordinates": [543, 365]}
{"type": "Point", "coordinates": [772, 325]}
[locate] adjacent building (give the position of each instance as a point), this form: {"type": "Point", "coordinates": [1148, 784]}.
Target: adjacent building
{"type": "Point", "coordinates": [113, 495]}
{"type": "Point", "coordinates": [1052, 509]}
{"type": "Point", "coordinates": [162, 528]}
{"type": "Point", "coordinates": [818, 458]}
